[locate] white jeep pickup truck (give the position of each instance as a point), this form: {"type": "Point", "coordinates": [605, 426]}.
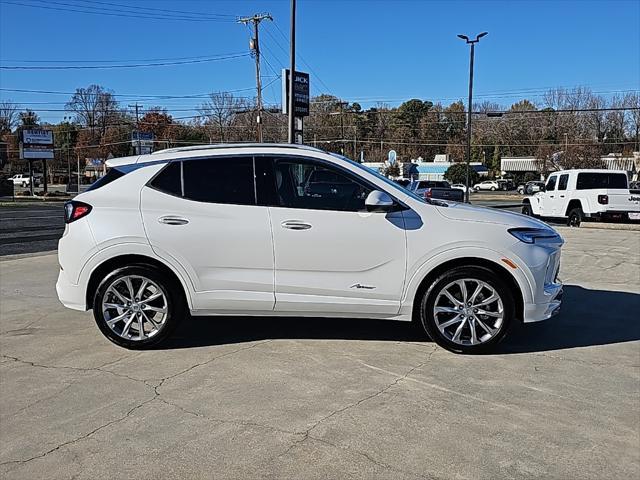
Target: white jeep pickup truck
{"type": "Point", "coordinates": [576, 195]}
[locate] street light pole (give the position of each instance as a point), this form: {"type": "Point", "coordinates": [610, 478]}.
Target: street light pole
{"type": "Point", "coordinates": [469, 105]}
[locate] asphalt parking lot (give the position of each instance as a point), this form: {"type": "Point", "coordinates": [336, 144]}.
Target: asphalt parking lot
{"type": "Point", "coordinates": [316, 398]}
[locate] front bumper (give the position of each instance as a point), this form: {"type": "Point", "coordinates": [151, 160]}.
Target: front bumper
{"type": "Point", "coordinates": [70, 295]}
{"type": "Point", "coordinates": [552, 296]}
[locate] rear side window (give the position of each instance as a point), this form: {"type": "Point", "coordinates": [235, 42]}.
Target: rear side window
{"type": "Point", "coordinates": [220, 180]}
{"type": "Point", "coordinates": [564, 180]}
{"type": "Point", "coordinates": [113, 173]}
{"type": "Point", "coordinates": [592, 180]}
{"type": "Point", "coordinates": [169, 180]}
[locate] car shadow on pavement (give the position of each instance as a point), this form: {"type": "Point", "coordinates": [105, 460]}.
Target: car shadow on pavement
{"type": "Point", "coordinates": [588, 317]}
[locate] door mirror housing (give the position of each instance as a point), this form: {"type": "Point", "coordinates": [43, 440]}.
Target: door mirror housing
{"type": "Point", "coordinates": [378, 201]}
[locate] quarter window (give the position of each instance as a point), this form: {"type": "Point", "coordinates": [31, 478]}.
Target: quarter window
{"type": "Point", "coordinates": [220, 180]}
{"type": "Point", "coordinates": [314, 186]}
{"type": "Point", "coordinates": [564, 180]}
{"type": "Point", "coordinates": [169, 180]}
{"type": "Point", "coordinates": [592, 180]}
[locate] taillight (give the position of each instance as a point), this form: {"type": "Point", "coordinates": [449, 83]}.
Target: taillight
{"type": "Point", "coordinates": [75, 210]}
{"type": "Point", "coordinates": [603, 199]}
{"type": "Point", "coordinates": [427, 193]}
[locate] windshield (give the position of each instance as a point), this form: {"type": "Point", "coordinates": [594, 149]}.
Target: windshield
{"type": "Point", "coordinates": [391, 183]}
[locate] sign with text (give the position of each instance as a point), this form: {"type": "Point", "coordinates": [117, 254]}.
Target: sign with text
{"type": "Point", "coordinates": [36, 144]}
{"type": "Point", "coordinates": [300, 93]}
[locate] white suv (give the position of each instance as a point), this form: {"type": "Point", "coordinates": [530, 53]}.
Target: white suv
{"type": "Point", "coordinates": [290, 230]}
{"type": "Point", "coordinates": [487, 185]}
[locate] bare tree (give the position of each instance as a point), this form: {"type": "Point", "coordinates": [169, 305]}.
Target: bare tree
{"type": "Point", "coordinates": [9, 117]}
{"type": "Point", "coordinates": [632, 102]}
{"type": "Point", "coordinates": [218, 111]}
{"type": "Point", "coordinates": [94, 107]}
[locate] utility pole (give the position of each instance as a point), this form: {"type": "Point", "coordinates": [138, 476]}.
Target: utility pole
{"type": "Point", "coordinates": [255, 46]}
{"type": "Point", "coordinates": [292, 72]}
{"type": "Point", "coordinates": [469, 105]}
{"type": "Point", "coordinates": [136, 106]}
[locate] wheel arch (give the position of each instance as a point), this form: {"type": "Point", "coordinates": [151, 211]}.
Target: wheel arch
{"type": "Point", "coordinates": [499, 270]}
{"type": "Point", "coordinates": [113, 263]}
{"type": "Point", "coordinates": [573, 203]}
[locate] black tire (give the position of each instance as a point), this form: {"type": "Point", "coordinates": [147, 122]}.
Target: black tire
{"type": "Point", "coordinates": [526, 210]}
{"type": "Point", "coordinates": [575, 217]}
{"type": "Point", "coordinates": [176, 306]}
{"type": "Point", "coordinates": [24, 184]}
{"type": "Point", "coordinates": [429, 297]}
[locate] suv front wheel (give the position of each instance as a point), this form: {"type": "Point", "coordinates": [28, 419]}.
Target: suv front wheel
{"type": "Point", "coordinates": [137, 307]}
{"type": "Point", "coordinates": [467, 310]}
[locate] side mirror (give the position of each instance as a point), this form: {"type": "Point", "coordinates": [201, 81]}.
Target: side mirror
{"type": "Point", "coordinates": [378, 201]}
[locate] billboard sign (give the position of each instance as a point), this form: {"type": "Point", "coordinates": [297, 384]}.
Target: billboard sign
{"type": "Point", "coordinates": [300, 93]}
{"type": "Point", "coordinates": [36, 144]}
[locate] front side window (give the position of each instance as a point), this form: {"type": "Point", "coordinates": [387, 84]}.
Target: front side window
{"type": "Point", "coordinates": [315, 186]}
{"type": "Point", "coordinates": [564, 180]}
{"type": "Point", "coordinates": [219, 180]}
{"type": "Point", "coordinates": [551, 184]}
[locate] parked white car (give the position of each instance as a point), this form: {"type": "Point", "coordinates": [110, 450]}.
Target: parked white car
{"type": "Point", "coordinates": [461, 186]}
{"type": "Point", "coordinates": [23, 180]}
{"type": "Point", "coordinates": [292, 230]}
{"type": "Point", "coordinates": [487, 185]}
{"type": "Point", "coordinates": [578, 194]}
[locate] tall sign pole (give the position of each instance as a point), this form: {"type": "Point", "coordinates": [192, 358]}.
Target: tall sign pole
{"type": "Point", "coordinates": [292, 70]}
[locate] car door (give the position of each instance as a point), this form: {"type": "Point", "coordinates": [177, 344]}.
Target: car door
{"type": "Point", "coordinates": [201, 214]}
{"type": "Point", "coordinates": [331, 255]}
{"type": "Point", "coordinates": [561, 200]}
{"type": "Point", "coordinates": [548, 196]}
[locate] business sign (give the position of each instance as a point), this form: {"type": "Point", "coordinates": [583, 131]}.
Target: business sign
{"type": "Point", "coordinates": [392, 157]}
{"type": "Point", "coordinates": [142, 139]}
{"type": "Point", "coordinates": [36, 144]}
{"type": "Point", "coordinates": [300, 93]}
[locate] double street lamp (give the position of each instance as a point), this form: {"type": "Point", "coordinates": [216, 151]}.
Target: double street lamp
{"type": "Point", "coordinates": [469, 105]}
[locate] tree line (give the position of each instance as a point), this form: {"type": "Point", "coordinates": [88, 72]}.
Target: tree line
{"type": "Point", "coordinates": [576, 123]}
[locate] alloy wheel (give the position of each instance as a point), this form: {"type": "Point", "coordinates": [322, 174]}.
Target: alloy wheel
{"type": "Point", "coordinates": [468, 312]}
{"type": "Point", "coordinates": [134, 307]}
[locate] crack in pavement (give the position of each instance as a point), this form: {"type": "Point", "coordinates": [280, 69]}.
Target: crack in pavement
{"type": "Point", "coordinates": [307, 433]}
{"type": "Point", "coordinates": [156, 395]}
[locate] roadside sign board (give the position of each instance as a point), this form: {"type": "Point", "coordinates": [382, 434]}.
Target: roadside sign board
{"type": "Point", "coordinates": [142, 139]}
{"type": "Point", "coordinates": [300, 93]}
{"type": "Point", "coordinates": [36, 144]}
{"type": "Point", "coordinates": [392, 157]}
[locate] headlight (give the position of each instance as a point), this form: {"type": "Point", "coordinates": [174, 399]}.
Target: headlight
{"type": "Point", "coordinates": [535, 235]}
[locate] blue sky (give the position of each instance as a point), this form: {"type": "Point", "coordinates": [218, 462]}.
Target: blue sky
{"type": "Point", "coordinates": [359, 50]}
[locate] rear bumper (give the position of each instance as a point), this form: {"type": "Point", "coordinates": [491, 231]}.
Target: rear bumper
{"type": "Point", "coordinates": [615, 215]}
{"type": "Point", "coordinates": [70, 295]}
{"type": "Point", "coordinates": [536, 312]}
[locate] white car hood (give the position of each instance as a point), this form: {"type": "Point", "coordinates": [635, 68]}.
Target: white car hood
{"type": "Point", "coordinates": [471, 213]}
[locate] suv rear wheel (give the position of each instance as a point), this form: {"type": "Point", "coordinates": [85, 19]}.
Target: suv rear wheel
{"type": "Point", "coordinates": [575, 217]}
{"type": "Point", "coordinates": [137, 307]}
{"type": "Point", "coordinates": [467, 310]}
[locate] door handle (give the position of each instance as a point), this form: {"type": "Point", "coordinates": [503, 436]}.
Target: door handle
{"type": "Point", "coordinates": [561, 196]}
{"type": "Point", "coordinates": [551, 196]}
{"type": "Point", "coordinates": [168, 220]}
{"type": "Point", "coordinates": [295, 225]}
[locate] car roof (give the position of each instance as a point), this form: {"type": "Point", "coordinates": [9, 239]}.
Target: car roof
{"type": "Point", "coordinates": [588, 170]}
{"type": "Point", "coordinates": [193, 151]}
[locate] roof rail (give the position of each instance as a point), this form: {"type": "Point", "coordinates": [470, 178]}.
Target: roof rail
{"type": "Point", "coordinates": [219, 146]}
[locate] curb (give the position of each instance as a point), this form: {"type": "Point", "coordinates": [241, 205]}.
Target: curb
{"type": "Point", "coordinates": [19, 256]}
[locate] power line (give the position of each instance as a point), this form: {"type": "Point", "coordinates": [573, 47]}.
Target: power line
{"type": "Point", "coordinates": [112, 13]}
{"type": "Point", "coordinates": [135, 65]}
{"type": "Point", "coordinates": [151, 9]}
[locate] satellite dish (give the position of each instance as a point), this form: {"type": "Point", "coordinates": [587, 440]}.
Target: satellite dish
{"type": "Point", "coordinates": [392, 157]}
